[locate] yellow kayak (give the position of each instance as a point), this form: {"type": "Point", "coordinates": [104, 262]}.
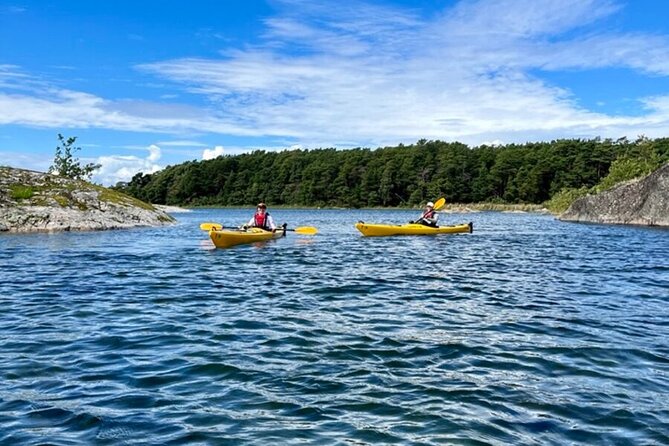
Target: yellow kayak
{"type": "Point", "coordinates": [225, 238]}
{"type": "Point", "coordinates": [378, 230]}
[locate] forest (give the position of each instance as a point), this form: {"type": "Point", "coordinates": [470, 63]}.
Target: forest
{"type": "Point", "coordinates": [404, 175]}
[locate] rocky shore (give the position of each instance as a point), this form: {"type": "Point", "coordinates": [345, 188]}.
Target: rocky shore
{"type": "Point", "coordinates": [639, 202]}
{"type": "Point", "coordinates": [171, 209]}
{"type": "Point", "coordinates": [38, 202]}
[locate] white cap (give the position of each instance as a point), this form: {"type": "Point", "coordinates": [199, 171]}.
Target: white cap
{"type": "Point", "coordinates": [429, 203]}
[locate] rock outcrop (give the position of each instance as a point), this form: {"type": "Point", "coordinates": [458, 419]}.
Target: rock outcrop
{"type": "Point", "coordinates": [639, 202]}
{"type": "Point", "coordinates": [38, 202]}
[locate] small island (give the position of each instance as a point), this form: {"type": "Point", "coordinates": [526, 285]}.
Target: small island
{"type": "Point", "coordinates": [40, 202]}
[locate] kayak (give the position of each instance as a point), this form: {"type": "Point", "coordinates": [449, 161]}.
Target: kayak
{"type": "Point", "coordinates": [378, 230]}
{"type": "Point", "coordinates": [225, 238]}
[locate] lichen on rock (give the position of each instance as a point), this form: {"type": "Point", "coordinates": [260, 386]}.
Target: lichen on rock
{"type": "Point", "coordinates": [639, 202]}
{"type": "Point", "coordinates": [34, 201]}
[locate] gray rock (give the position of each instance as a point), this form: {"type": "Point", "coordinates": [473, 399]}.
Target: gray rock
{"type": "Point", "coordinates": [639, 202]}
{"type": "Point", "coordinates": [34, 201]}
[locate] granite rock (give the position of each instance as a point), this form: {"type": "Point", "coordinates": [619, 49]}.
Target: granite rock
{"type": "Point", "coordinates": [38, 202]}
{"type": "Point", "coordinates": [643, 201]}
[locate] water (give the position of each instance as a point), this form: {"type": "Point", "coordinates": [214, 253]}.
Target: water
{"type": "Point", "coordinates": [529, 331]}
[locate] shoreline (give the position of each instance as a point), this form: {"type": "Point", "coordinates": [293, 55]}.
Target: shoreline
{"type": "Point", "coordinates": [494, 207]}
{"type": "Point", "coordinates": [171, 209]}
{"type": "Point", "coordinates": [447, 209]}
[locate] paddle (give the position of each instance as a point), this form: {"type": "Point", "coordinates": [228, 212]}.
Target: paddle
{"type": "Point", "coordinates": [439, 204]}
{"type": "Point", "coordinates": [211, 226]}
{"type": "Point", "coordinates": [307, 230]}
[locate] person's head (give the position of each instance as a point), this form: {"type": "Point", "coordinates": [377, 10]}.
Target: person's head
{"type": "Point", "coordinates": [261, 208]}
{"type": "Point", "coordinates": [429, 205]}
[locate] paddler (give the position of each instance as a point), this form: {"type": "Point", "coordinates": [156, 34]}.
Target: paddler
{"type": "Point", "coordinates": [429, 217]}
{"type": "Point", "coordinates": [261, 219]}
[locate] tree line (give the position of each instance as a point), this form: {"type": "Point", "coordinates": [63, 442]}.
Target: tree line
{"type": "Point", "coordinates": [404, 175]}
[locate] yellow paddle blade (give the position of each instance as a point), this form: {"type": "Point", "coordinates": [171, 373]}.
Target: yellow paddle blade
{"type": "Point", "coordinates": [439, 204]}
{"type": "Point", "coordinates": [210, 226]}
{"type": "Point", "coordinates": [308, 230]}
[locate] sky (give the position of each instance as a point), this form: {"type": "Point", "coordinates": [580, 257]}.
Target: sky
{"type": "Point", "coordinates": [151, 83]}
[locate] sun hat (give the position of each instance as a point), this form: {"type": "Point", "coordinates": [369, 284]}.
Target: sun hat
{"type": "Point", "coordinates": [429, 203]}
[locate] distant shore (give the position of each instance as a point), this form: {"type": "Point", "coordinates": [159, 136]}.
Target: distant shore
{"type": "Point", "coordinates": [449, 208]}
{"type": "Point", "coordinates": [497, 207]}
{"type": "Point", "coordinates": [171, 209]}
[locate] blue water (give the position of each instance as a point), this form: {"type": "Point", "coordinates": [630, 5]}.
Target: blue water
{"type": "Point", "coordinates": [528, 331]}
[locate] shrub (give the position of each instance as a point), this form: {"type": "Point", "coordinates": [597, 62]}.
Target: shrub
{"type": "Point", "coordinates": [21, 192]}
{"type": "Point", "coordinates": [66, 165]}
{"type": "Point", "coordinates": [625, 169]}
{"type": "Point", "coordinates": [561, 201]}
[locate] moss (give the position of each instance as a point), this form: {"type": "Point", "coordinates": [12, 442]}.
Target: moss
{"type": "Point", "coordinates": [116, 197]}
{"type": "Point", "coordinates": [62, 200]}
{"type": "Point", "coordinates": [40, 201]}
{"type": "Point", "coordinates": [21, 192]}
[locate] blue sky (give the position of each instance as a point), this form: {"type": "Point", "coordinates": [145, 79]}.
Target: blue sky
{"type": "Point", "coordinates": [145, 84]}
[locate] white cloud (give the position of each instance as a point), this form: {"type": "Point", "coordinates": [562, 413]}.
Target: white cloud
{"type": "Point", "coordinates": [182, 143]}
{"type": "Point", "coordinates": [117, 168]}
{"type": "Point", "coordinates": [154, 153]}
{"type": "Point", "coordinates": [368, 75]}
{"type": "Point", "coordinates": [28, 161]}
{"type": "Point", "coordinates": [31, 102]}
{"type": "Point", "coordinates": [494, 143]}
{"type": "Point", "coordinates": [520, 19]}
{"type": "Point", "coordinates": [210, 154]}
{"type": "Point", "coordinates": [12, 9]}
{"type": "Point", "coordinates": [463, 75]}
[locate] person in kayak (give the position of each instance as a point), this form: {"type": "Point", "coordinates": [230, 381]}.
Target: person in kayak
{"type": "Point", "coordinates": [429, 217]}
{"type": "Point", "coordinates": [261, 219]}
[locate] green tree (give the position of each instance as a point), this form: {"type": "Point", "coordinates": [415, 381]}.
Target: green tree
{"type": "Point", "coordinates": [66, 165]}
{"type": "Point", "coordinates": [637, 162]}
{"type": "Point", "coordinates": [403, 175]}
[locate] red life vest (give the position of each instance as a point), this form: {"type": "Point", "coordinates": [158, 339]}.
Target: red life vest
{"type": "Point", "coordinates": [428, 214]}
{"type": "Point", "coordinates": [261, 220]}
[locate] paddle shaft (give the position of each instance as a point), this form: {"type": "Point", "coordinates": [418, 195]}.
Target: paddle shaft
{"type": "Point", "coordinates": [308, 230]}
{"type": "Point", "coordinates": [438, 205]}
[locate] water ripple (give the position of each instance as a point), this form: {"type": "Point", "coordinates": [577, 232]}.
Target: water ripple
{"type": "Point", "coordinates": [528, 331]}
